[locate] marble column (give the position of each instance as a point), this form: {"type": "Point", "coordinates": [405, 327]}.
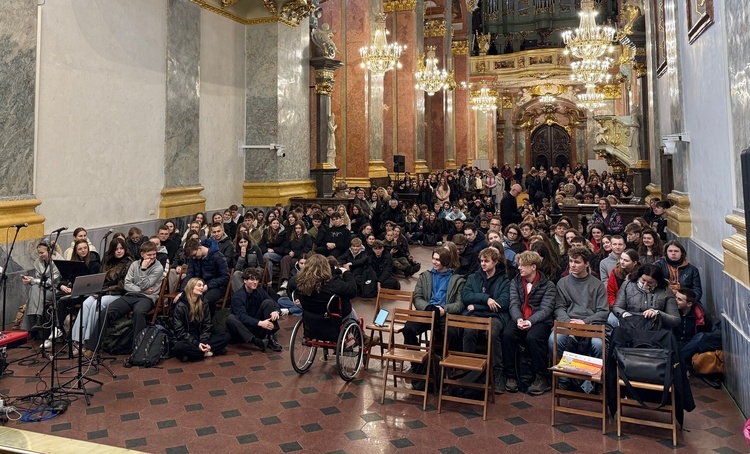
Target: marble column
{"type": "Point", "coordinates": [462, 111]}
{"type": "Point", "coordinates": [508, 144]}
{"type": "Point", "coordinates": [18, 53]}
{"type": "Point", "coordinates": [181, 193]}
{"type": "Point", "coordinates": [449, 96]}
{"type": "Point", "coordinates": [324, 171]}
{"type": "Point", "coordinates": [277, 84]}
{"type": "Point", "coordinates": [435, 105]}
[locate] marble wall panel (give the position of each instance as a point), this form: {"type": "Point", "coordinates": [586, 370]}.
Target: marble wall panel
{"type": "Point", "coordinates": [222, 109]}
{"type": "Point", "coordinates": [581, 146]}
{"type": "Point", "coordinates": [101, 114]}
{"type": "Point", "coordinates": [436, 108]}
{"type": "Point", "coordinates": [521, 148]}
{"type": "Point", "coordinates": [355, 125]}
{"type": "Point", "coordinates": [463, 111]}
{"type": "Point", "coordinates": [182, 142]}
{"type": "Point", "coordinates": [737, 16]}
{"type": "Point", "coordinates": [729, 301]}
{"type": "Point", "coordinates": [509, 154]}
{"type": "Point", "coordinates": [419, 100]}
{"type": "Point", "coordinates": [651, 100]}
{"type": "Point", "coordinates": [17, 95]}
{"type": "Point", "coordinates": [484, 121]}
{"type": "Point", "coordinates": [405, 31]}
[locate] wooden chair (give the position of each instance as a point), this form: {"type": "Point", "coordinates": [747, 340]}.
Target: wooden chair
{"type": "Point", "coordinates": [165, 300]}
{"type": "Point", "coordinates": [228, 292]}
{"type": "Point", "coordinates": [580, 331]}
{"type": "Point", "coordinates": [458, 360]}
{"type": "Point", "coordinates": [668, 409]}
{"type": "Point", "coordinates": [384, 294]}
{"type": "Point", "coordinates": [159, 305]}
{"type": "Point", "coordinates": [416, 354]}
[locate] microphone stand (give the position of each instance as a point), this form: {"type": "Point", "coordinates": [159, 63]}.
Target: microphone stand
{"type": "Point", "coordinates": [97, 359]}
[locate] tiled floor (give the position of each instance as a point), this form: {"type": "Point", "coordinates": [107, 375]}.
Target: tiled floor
{"type": "Point", "coordinates": [247, 401]}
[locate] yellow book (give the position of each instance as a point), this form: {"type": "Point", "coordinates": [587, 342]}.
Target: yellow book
{"type": "Point", "coordinates": [579, 364]}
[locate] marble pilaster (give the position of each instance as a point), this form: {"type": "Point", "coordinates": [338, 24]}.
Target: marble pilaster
{"type": "Point", "coordinates": [483, 133]}
{"type": "Point", "coordinates": [737, 17]}
{"type": "Point", "coordinates": [462, 114]}
{"type": "Point", "coordinates": [18, 53]}
{"type": "Point", "coordinates": [449, 96]}
{"type": "Point", "coordinates": [508, 137]}
{"type": "Point", "coordinates": [651, 99]}
{"type": "Point", "coordinates": [435, 110]}
{"type": "Point", "coordinates": [581, 145]}
{"type": "Point", "coordinates": [521, 148]}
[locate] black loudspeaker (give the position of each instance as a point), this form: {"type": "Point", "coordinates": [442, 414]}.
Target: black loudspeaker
{"type": "Point", "coordinates": [399, 164]}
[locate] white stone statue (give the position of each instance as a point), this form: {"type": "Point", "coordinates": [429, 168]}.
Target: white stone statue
{"type": "Point", "coordinates": [322, 38]}
{"type": "Point", "coordinates": [331, 149]}
{"type": "Point", "coordinates": [525, 97]}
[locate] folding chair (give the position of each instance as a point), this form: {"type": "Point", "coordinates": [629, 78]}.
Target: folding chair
{"type": "Point", "coordinates": [579, 331]}
{"type": "Point", "coordinates": [384, 294]}
{"type": "Point", "coordinates": [416, 354]}
{"type": "Point", "coordinates": [668, 409]}
{"type": "Point", "coordinates": [458, 360]}
{"type": "Point", "coordinates": [228, 291]}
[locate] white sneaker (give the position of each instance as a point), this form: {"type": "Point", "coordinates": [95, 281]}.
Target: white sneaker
{"type": "Point", "coordinates": [47, 344]}
{"type": "Point", "coordinates": [208, 354]}
{"type": "Point", "coordinates": [439, 243]}
{"type": "Point", "coordinates": [57, 334]}
{"type": "Point", "coordinates": [281, 292]}
{"type": "Point", "coordinates": [283, 285]}
{"type": "Point", "coordinates": [284, 312]}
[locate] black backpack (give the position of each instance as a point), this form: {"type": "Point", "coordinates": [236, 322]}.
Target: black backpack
{"type": "Point", "coordinates": [118, 338]}
{"type": "Point", "coordinates": [369, 287]}
{"type": "Point", "coordinates": [150, 347]}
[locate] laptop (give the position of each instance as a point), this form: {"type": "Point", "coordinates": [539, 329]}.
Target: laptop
{"type": "Point", "coordinates": [88, 285]}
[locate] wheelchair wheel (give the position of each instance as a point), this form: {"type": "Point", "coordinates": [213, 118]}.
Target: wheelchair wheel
{"type": "Point", "coordinates": [350, 351]}
{"type": "Point", "coordinates": [301, 352]}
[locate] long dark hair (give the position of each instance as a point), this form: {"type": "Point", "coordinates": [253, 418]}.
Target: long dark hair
{"type": "Point", "coordinates": [110, 260]}
{"type": "Point", "coordinates": [293, 234]}
{"type": "Point", "coordinates": [550, 264]}
{"type": "Point", "coordinates": [652, 271]}
{"type": "Point", "coordinates": [77, 258]}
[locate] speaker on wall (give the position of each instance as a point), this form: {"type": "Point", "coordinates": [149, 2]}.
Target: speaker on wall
{"type": "Point", "coordinates": [399, 164]}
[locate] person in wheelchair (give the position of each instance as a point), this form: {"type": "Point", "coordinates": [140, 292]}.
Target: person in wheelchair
{"type": "Point", "coordinates": [317, 282]}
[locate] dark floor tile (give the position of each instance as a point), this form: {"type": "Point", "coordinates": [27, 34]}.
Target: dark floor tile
{"type": "Point", "coordinates": [272, 385]}
{"type": "Point", "coordinates": [613, 435]}
{"type": "Point", "coordinates": [667, 443]}
{"type": "Point", "coordinates": [176, 370]}
{"type": "Point", "coordinates": [61, 427]}
{"type": "Point", "coordinates": [312, 427]}
{"type": "Point", "coordinates": [450, 450]}
{"type": "Point", "coordinates": [231, 414]}
{"type": "Point", "coordinates": [158, 401]}
{"type": "Point", "coordinates": [290, 447]}
{"type": "Point", "coordinates": [217, 393]}
{"type": "Point", "coordinates": [402, 443]}
{"type": "Point", "coordinates": [614, 452]}
{"type": "Point", "coordinates": [726, 450]}
{"type": "Point", "coordinates": [257, 368]}
{"type": "Point", "coordinates": [566, 428]}
{"type": "Point", "coordinates": [510, 439]}
{"type": "Point", "coordinates": [712, 414]}
{"type": "Point", "coordinates": [290, 404]}
{"type": "Point", "coordinates": [705, 399]}
{"type": "Point", "coordinates": [186, 387]}
{"type": "Point", "coordinates": [247, 438]}
{"type": "Point", "coordinates": [130, 417]}
{"type": "Point", "coordinates": [95, 410]}
{"type": "Point", "coordinates": [151, 382]}
{"type": "Point", "coordinates": [470, 414]}
{"type": "Point", "coordinates": [193, 407]}
{"type": "Point", "coordinates": [244, 354]}
{"type": "Point", "coordinates": [522, 405]}
{"type": "Point", "coordinates": [308, 390]}
{"type": "Point", "coordinates": [347, 395]}
{"type": "Point", "coordinates": [270, 420]}
{"type": "Point", "coordinates": [202, 431]}
{"type": "Point", "coordinates": [274, 357]}
{"type": "Point", "coordinates": [562, 447]}
{"type": "Point", "coordinates": [226, 364]}
{"type": "Point", "coordinates": [166, 424]}
{"type": "Point", "coordinates": [236, 380]}
{"type": "Point", "coordinates": [255, 398]}
{"type": "Point", "coordinates": [289, 373]}
{"type": "Point", "coordinates": [415, 424]}
{"type": "Point", "coordinates": [127, 395]}
{"type": "Point", "coordinates": [356, 435]}
{"type": "Point", "coordinates": [330, 411]}
{"type": "Point", "coordinates": [135, 443]}
{"type": "Point", "coordinates": [97, 434]}
{"type": "Point", "coordinates": [719, 432]}
{"type": "Point", "coordinates": [178, 450]}
{"type": "Point", "coordinates": [517, 421]}
{"type": "Point", "coordinates": [461, 431]}
{"type": "Point", "coordinates": [370, 417]}
{"type": "Point", "coordinates": [325, 377]}
{"type": "Point", "coordinates": [206, 375]}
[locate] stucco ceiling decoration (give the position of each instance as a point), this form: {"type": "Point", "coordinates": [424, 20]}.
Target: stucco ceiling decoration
{"type": "Point", "coordinates": [249, 12]}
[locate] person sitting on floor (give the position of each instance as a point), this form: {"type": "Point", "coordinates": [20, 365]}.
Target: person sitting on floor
{"type": "Point", "coordinates": [256, 311]}
{"type": "Point", "coordinates": [695, 333]}
{"type": "Point", "coordinates": [382, 263]}
{"type": "Point", "coordinates": [192, 326]}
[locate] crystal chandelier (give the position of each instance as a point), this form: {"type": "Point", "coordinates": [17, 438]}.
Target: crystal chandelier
{"type": "Point", "coordinates": [590, 100]}
{"type": "Point", "coordinates": [381, 57]}
{"type": "Point", "coordinates": [485, 100]}
{"type": "Point", "coordinates": [591, 71]}
{"type": "Point", "coordinates": [589, 41]}
{"type": "Point", "coordinates": [429, 77]}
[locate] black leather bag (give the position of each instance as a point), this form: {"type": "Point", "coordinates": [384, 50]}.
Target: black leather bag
{"type": "Point", "coordinates": [647, 365]}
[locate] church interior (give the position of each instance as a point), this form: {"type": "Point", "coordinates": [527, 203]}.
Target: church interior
{"type": "Point", "coordinates": [131, 113]}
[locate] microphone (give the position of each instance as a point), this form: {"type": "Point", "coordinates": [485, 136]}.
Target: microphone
{"type": "Point", "coordinates": [59, 230]}
{"type": "Point", "coordinates": [109, 232]}
{"type": "Point", "coordinates": [20, 226]}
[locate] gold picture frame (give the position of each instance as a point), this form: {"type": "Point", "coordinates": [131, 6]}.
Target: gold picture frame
{"type": "Point", "coordinates": [700, 16]}
{"type": "Point", "coordinates": [660, 34]}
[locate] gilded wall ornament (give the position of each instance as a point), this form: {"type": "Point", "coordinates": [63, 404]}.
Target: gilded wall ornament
{"type": "Point", "coordinates": [613, 91]}
{"type": "Point", "coordinates": [460, 47]}
{"type": "Point", "coordinates": [390, 6]}
{"type": "Point", "coordinates": [434, 28]}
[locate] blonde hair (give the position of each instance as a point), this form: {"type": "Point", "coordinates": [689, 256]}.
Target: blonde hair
{"type": "Point", "coordinates": [195, 302]}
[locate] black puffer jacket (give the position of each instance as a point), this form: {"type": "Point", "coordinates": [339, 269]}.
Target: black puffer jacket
{"type": "Point", "coordinates": [187, 330]}
{"type": "Point", "coordinates": [541, 300]}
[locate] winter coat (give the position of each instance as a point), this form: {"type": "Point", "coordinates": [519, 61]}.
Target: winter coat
{"type": "Point", "coordinates": [453, 301]}
{"type": "Point", "coordinates": [192, 331]}
{"type": "Point", "coordinates": [541, 300]}
{"type": "Point", "coordinates": [212, 268]}
{"type": "Point", "coordinates": [632, 299]}
{"type": "Point", "coordinates": [479, 289]}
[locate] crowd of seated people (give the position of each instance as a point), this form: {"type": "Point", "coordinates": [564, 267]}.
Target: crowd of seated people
{"type": "Point", "coordinates": [491, 258]}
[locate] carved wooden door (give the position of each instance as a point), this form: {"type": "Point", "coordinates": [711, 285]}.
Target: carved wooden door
{"type": "Point", "coordinates": [550, 146]}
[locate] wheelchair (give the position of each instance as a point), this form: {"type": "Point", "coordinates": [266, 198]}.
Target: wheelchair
{"type": "Point", "coordinates": [326, 331]}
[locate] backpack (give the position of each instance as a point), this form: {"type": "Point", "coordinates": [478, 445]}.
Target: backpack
{"type": "Point", "coordinates": [118, 338]}
{"type": "Point", "coordinates": [369, 283]}
{"type": "Point", "coordinates": [150, 347]}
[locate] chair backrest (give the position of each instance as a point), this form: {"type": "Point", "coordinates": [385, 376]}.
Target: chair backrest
{"type": "Point", "coordinates": [465, 322]}
{"type": "Point", "coordinates": [160, 307]}
{"type": "Point", "coordinates": [228, 291]}
{"type": "Point", "coordinates": [403, 316]}
{"type": "Point", "coordinates": [577, 330]}
{"type": "Point", "coordinates": [400, 296]}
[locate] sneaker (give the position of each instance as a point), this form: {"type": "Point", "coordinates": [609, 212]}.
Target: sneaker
{"type": "Point", "coordinates": [260, 343]}
{"type": "Point", "coordinates": [57, 334]}
{"type": "Point", "coordinates": [274, 344]}
{"type": "Point", "coordinates": [439, 243]}
{"type": "Point", "coordinates": [284, 311]}
{"type": "Point", "coordinates": [283, 285]}
{"type": "Point", "coordinates": [499, 383]}
{"type": "Point", "coordinates": [281, 293]}
{"type": "Point", "coordinates": [47, 344]}
{"type": "Point", "coordinates": [88, 353]}
{"type": "Point", "coordinates": [208, 354]}
{"type": "Point", "coordinates": [511, 385]}
{"type": "Point", "coordinates": [540, 386]}
{"type": "Point", "coordinates": [415, 268]}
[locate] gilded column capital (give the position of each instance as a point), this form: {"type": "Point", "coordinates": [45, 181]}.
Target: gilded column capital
{"type": "Point", "coordinates": [460, 47]}
{"type": "Point", "coordinates": [22, 211]}
{"type": "Point", "coordinates": [735, 250]}
{"type": "Point", "coordinates": [182, 201]}
{"type": "Point", "coordinates": [324, 79]}
{"type": "Point", "coordinates": [390, 6]}
{"type": "Point", "coordinates": [434, 28]}
{"type": "Point", "coordinates": [678, 217]}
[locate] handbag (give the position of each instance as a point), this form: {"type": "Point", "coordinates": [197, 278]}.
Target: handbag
{"type": "Point", "coordinates": [707, 363]}
{"type": "Point", "coordinates": [647, 365]}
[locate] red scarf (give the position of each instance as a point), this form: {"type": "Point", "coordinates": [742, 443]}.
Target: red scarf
{"type": "Point", "coordinates": [526, 309]}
